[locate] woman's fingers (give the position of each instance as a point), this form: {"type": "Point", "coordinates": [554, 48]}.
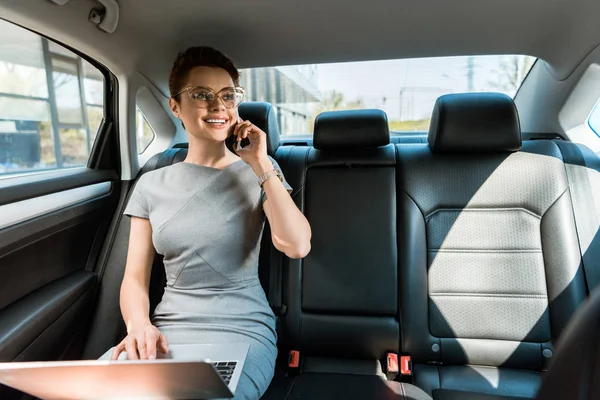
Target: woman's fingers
{"type": "Point", "coordinates": [239, 128]}
{"type": "Point", "coordinates": [142, 347]}
{"type": "Point", "coordinates": [117, 351]}
{"type": "Point", "coordinates": [245, 129]}
{"type": "Point", "coordinates": [151, 339]}
{"type": "Point", "coordinates": [163, 344]}
{"type": "Point", "coordinates": [236, 129]}
{"type": "Point", "coordinates": [131, 347]}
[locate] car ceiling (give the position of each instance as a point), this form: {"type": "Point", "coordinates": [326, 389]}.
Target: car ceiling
{"type": "Point", "coordinates": [285, 32]}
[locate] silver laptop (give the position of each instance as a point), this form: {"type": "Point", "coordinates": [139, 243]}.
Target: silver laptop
{"type": "Point", "coordinates": [187, 372]}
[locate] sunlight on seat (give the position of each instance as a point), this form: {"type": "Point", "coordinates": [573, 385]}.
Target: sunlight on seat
{"type": "Point", "coordinates": [491, 375]}
{"type": "Point", "coordinates": [589, 223]}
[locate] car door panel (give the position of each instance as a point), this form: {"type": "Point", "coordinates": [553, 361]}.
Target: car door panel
{"type": "Point", "coordinates": [49, 246]}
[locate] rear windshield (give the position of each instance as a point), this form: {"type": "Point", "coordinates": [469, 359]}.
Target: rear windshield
{"type": "Point", "coordinates": [405, 89]}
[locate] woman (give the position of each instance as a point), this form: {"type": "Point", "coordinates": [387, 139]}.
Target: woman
{"type": "Point", "coordinates": [206, 215]}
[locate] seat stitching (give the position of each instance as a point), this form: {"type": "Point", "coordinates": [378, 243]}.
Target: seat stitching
{"type": "Point", "coordinates": [458, 250]}
{"type": "Point", "coordinates": [486, 209]}
{"type": "Point", "coordinates": [505, 295]}
{"type": "Point", "coordinates": [290, 389]}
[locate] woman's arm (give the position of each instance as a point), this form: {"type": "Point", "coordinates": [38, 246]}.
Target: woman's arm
{"type": "Point", "coordinates": [142, 337]}
{"type": "Point", "coordinates": [135, 303]}
{"type": "Point", "coordinates": [290, 231]}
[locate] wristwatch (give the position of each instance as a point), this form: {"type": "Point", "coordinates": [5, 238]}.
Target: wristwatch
{"type": "Point", "coordinates": [263, 178]}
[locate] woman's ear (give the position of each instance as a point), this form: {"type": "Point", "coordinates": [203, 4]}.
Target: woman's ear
{"type": "Point", "coordinates": [176, 110]}
{"type": "Point", "coordinates": [174, 106]}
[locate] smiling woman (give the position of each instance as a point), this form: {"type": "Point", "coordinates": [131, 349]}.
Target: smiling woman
{"type": "Point", "coordinates": [206, 216]}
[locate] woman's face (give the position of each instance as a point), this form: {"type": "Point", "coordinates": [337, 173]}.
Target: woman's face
{"type": "Point", "coordinates": [214, 121]}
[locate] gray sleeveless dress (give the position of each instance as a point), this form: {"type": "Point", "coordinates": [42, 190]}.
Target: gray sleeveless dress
{"type": "Point", "coordinates": [208, 225]}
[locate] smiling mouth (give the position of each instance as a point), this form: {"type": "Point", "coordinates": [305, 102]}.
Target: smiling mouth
{"type": "Point", "coordinates": [217, 122]}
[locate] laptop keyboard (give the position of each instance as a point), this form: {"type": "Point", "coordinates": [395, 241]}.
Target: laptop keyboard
{"type": "Point", "coordinates": [225, 369]}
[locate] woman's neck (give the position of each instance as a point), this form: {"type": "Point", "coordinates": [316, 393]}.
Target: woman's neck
{"type": "Point", "coordinates": [208, 153]}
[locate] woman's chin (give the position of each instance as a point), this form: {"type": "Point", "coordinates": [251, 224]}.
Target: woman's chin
{"type": "Point", "coordinates": [215, 135]}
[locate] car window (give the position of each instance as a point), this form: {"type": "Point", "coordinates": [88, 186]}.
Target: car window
{"type": "Point", "coordinates": [144, 132]}
{"type": "Point", "coordinates": [51, 103]}
{"type": "Point", "coordinates": [405, 89]}
{"type": "Point", "coordinates": [594, 119]}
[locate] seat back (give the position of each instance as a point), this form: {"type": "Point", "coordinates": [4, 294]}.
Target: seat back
{"type": "Point", "coordinates": [342, 298]}
{"type": "Point", "coordinates": [490, 260]}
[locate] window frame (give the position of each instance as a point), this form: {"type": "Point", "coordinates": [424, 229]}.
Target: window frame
{"type": "Point", "coordinates": [595, 110]}
{"type": "Point", "coordinates": [98, 157]}
{"type": "Point", "coordinates": [142, 120]}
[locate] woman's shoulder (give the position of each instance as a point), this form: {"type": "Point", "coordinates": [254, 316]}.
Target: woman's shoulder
{"type": "Point", "coordinates": [155, 178]}
{"type": "Point", "coordinates": [150, 176]}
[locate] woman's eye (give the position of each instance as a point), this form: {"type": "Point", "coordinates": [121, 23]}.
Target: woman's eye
{"type": "Point", "coordinates": [229, 97]}
{"type": "Point", "coordinates": [203, 96]}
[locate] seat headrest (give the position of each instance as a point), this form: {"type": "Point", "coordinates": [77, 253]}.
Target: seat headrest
{"type": "Point", "coordinates": [263, 116]}
{"type": "Point", "coordinates": [474, 122]}
{"type": "Point", "coordinates": [351, 129]}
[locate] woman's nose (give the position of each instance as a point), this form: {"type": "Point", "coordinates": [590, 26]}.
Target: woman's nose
{"type": "Point", "coordinates": [216, 104]}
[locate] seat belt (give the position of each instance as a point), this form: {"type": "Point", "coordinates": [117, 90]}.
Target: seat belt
{"type": "Point", "coordinates": [579, 162]}
{"type": "Point", "coordinates": [275, 279]}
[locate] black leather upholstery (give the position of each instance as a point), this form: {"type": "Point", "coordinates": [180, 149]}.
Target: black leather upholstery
{"type": "Point", "coordinates": [64, 299]}
{"type": "Point", "coordinates": [326, 386]}
{"type": "Point", "coordinates": [342, 297]}
{"type": "Point", "coordinates": [583, 171]}
{"type": "Point", "coordinates": [489, 266]}
{"type": "Point", "coordinates": [574, 371]}
{"type": "Point", "coordinates": [351, 129]}
{"type": "Point", "coordinates": [474, 122]}
{"type": "Point", "coordinates": [475, 382]}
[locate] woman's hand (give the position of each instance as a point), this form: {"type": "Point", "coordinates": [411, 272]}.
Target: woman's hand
{"type": "Point", "coordinates": [256, 152]}
{"type": "Point", "coordinates": [141, 343]}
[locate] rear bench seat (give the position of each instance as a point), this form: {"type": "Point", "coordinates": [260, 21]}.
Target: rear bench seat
{"type": "Point", "coordinates": [487, 269]}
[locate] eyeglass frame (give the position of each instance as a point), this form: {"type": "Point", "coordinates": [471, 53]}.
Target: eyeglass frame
{"type": "Point", "coordinates": [217, 94]}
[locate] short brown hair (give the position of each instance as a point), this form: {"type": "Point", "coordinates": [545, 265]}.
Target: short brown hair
{"type": "Point", "coordinates": [199, 56]}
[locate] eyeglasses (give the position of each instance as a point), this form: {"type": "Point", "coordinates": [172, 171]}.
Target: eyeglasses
{"type": "Point", "coordinates": [203, 97]}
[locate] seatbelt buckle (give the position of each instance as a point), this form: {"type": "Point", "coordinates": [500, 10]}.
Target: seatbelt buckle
{"type": "Point", "coordinates": [391, 366]}
{"type": "Point", "coordinates": [392, 363]}
{"type": "Point", "coordinates": [406, 368]}
{"type": "Point", "coordinates": [294, 362]}
{"type": "Point", "coordinates": [406, 365]}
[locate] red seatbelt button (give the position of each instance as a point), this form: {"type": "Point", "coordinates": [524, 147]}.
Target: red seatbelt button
{"type": "Point", "coordinates": [392, 363]}
{"type": "Point", "coordinates": [406, 365]}
{"type": "Point", "coordinates": [294, 359]}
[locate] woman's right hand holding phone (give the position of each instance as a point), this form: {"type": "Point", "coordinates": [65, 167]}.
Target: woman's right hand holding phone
{"type": "Point", "coordinates": [141, 343]}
